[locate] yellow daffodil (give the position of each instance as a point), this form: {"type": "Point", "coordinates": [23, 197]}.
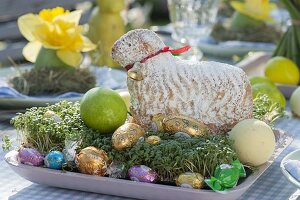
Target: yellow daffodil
{"type": "Point", "coordinates": [55, 29]}
{"type": "Point", "coordinates": [257, 9]}
{"type": "Point", "coordinates": [50, 14]}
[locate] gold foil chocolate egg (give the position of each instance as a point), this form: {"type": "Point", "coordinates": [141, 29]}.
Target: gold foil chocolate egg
{"type": "Point", "coordinates": [153, 139]}
{"type": "Point", "coordinates": [53, 115]}
{"type": "Point", "coordinates": [182, 134]}
{"type": "Point", "coordinates": [127, 135]}
{"type": "Point", "coordinates": [91, 160]}
{"type": "Point", "coordinates": [184, 124]}
{"type": "Point", "coordinates": [157, 122]}
{"type": "Point", "coordinates": [190, 180]}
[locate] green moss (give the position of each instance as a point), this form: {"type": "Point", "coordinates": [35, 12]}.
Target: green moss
{"type": "Point", "coordinates": [173, 155]}
{"type": "Point", "coordinates": [53, 81]}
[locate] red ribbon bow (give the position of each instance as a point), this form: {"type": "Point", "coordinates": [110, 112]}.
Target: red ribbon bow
{"type": "Point", "coordinates": [163, 50]}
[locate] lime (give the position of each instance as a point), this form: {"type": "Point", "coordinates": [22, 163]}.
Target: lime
{"type": "Point", "coordinates": [272, 92]}
{"type": "Point", "coordinates": [103, 109]}
{"type": "Point", "coordinates": [261, 80]}
{"type": "Point", "coordinates": [266, 86]}
{"type": "Point", "coordinates": [282, 70]}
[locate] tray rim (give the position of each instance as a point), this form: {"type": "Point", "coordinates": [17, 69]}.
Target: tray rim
{"type": "Point", "coordinates": [236, 192]}
{"type": "Point", "coordinates": [288, 176]}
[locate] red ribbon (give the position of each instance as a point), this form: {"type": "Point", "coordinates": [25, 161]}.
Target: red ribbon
{"type": "Point", "coordinates": [163, 50]}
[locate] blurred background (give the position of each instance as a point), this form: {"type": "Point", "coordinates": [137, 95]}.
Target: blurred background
{"type": "Point", "coordinates": [151, 14]}
{"type": "Point", "coordinates": [137, 14]}
{"type": "Point", "coordinates": [240, 32]}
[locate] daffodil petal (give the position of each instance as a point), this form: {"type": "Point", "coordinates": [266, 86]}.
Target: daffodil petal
{"type": "Point", "coordinates": [46, 34]}
{"type": "Point", "coordinates": [31, 51]}
{"type": "Point", "coordinates": [257, 9]}
{"type": "Point", "coordinates": [272, 6]}
{"type": "Point", "coordinates": [27, 24]}
{"type": "Point", "coordinates": [238, 6]}
{"type": "Point", "coordinates": [72, 17]}
{"type": "Point", "coordinates": [87, 45]}
{"type": "Point", "coordinates": [49, 14]}
{"type": "Point", "coordinates": [71, 58]}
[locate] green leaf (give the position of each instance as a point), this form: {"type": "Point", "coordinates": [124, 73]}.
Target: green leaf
{"type": "Point", "coordinates": [7, 144]}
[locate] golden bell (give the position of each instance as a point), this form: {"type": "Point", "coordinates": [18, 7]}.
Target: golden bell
{"type": "Point", "coordinates": [135, 72]}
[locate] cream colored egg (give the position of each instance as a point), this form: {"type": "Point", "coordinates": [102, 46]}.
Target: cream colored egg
{"type": "Point", "coordinates": [254, 141]}
{"type": "Point", "coordinates": [295, 102]}
{"type": "Point", "coordinates": [126, 98]}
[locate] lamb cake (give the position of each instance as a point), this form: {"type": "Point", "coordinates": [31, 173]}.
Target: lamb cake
{"type": "Point", "coordinates": [216, 94]}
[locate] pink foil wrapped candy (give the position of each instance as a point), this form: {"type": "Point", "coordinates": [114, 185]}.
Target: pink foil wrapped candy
{"type": "Point", "coordinates": [30, 156]}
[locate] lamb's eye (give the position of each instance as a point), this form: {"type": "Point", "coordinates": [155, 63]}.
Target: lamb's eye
{"type": "Point", "coordinates": [129, 44]}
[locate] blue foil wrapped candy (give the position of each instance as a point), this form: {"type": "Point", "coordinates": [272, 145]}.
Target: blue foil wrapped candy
{"type": "Point", "coordinates": [54, 160]}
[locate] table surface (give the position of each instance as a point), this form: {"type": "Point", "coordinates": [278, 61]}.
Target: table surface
{"type": "Point", "coordinates": [271, 185]}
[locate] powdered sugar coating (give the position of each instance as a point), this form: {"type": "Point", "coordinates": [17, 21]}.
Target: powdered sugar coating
{"type": "Point", "coordinates": [135, 45]}
{"type": "Point", "coordinates": [216, 94]}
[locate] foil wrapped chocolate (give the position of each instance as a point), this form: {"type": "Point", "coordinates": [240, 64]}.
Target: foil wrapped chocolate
{"type": "Point", "coordinates": [142, 173]}
{"type": "Point", "coordinates": [226, 176]}
{"type": "Point", "coordinates": [30, 156]}
{"type": "Point", "coordinates": [190, 180]}
{"type": "Point", "coordinates": [182, 134]}
{"type": "Point", "coordinates": [153, 139]}
{"type": "Point", "coordinates": [127, 136]}
{"type": "Point", "coordinates": [54, 160]}
{"type": "Point", "coordinates": [92, 160]}
{"type": "Point", "coordinates": [184, 124]}
{"type": "Point", "coordinates": [157, 122]}
{"type": "Point", "coordinates": [116, 170]}
{"type": "Point", "coordinates": [70, 150]}
{"type": "Point", "coordinates": [53, 115]}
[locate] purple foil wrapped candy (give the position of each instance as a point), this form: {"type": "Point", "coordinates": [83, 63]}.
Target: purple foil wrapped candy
{"type": "Point", "coordinates": [30, 156]}
{"type": "Point", "coordinates": [142, 173]}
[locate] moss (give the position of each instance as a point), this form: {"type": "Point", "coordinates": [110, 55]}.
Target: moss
{"type": "Point", "coordinates": [53, 81]}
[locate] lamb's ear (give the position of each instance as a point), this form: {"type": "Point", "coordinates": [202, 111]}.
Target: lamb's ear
{"type": "Point", "coordinates": [135, 73]}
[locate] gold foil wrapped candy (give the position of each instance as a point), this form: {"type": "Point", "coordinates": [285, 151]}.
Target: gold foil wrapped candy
{"type": "Point", "coordinates": [153, 139]}
{"type": "Point", "coordinates": [157, 122]}
{"type": "Point", "coordinates": [190, 180]}
{"type": "Point", "coordinates": [53, 115]}
{"type": "Point", "coordinates": [91, 160]}
{"type": "Point", "coordinates": [127, 135]}
{"type": "Point", "coordinates": [184, 124]}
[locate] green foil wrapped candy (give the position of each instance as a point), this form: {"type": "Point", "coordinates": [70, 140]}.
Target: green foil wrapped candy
{"type": "Point", "coordinates": [226, 176]}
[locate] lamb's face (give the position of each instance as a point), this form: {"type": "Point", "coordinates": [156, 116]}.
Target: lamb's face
{"type": "Point", "coordinates": [135, 46]}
